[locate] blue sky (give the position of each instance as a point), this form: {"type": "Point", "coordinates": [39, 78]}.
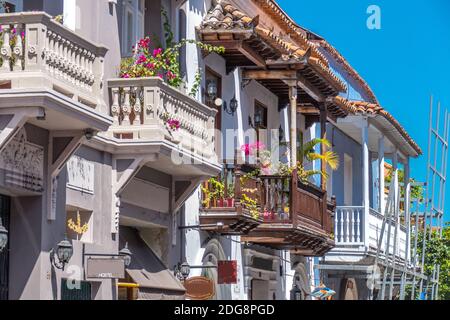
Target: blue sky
{"type": "Point", "coordinates": [404, 62]}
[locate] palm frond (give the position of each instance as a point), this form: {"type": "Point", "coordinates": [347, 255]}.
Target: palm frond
{"type": "Point", "coordinates": [330, 158]}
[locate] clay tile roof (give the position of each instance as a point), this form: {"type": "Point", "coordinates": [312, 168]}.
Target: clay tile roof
{"type": "Point", "coordinates": [300, 34]}
{"type": "Point", "coordinates": [374, 109]}
{"type": "Point", "coordinates": [224, 15]}
{"type": "Point", "coordinates": [350, 70]}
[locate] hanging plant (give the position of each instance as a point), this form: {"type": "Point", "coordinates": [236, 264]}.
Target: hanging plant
{"type": "Point", "coordinates": [174, 124]}
{"type": "Point", "coordinates": [163, 63]}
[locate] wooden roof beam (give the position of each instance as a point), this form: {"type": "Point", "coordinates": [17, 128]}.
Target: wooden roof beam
{"type": "Point", "coordinates": [269, 74]}
{"type": "Point", "coordinates": [310, 89]}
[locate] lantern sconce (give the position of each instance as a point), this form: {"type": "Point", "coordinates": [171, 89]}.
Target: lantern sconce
{"type": "Point", "coordinates": [231, 109]}
{"type": "Point", "coordinates": [63, 253]}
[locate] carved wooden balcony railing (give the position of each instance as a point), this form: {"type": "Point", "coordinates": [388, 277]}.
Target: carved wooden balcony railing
{"type": "Point", "coordinates": [36, 52]}
{"type": "Point", "coordinates": [297, 217]}
{"type": "Point", "coordinates": [142, 108]}
{"type": "Point", "coordinates": [233, 215]}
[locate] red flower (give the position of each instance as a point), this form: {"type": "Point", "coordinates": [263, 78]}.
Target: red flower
{"type": "Point", "coordinates": [174, 124]}
{"type": "Point", "coordinates": [157, 52]}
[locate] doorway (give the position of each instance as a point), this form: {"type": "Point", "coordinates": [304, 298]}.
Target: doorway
{"type": "Point", "coordinates": [260, 289]}
{"type": "Point", "coordinates": [5, 206]}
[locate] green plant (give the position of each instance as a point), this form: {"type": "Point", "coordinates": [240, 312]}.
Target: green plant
{"type": "Point", "coordinates": [437, 253]}
{"type": "Point", "coordinates": [163, 62]}
{"type": "Point", "coordinates": [307, 153]}
{"type": "Point", "coordinates": [251, 205]}
{"type": "Point", "coordinates": [230, 190]}
{"type": "Point", "coordinates": [215, 190]}
{"type": "Point", "coordinates": [417, 192]}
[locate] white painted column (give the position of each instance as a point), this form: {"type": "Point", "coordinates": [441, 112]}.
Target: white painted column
{"type": "Point", "coordinates": [382, 199]}
{"type": "Point", "coordinates": [365, 180]}
{"type": "Point", "coordinates": [396, 199]}
{"type": "Point", "coordinates": [407, 208]}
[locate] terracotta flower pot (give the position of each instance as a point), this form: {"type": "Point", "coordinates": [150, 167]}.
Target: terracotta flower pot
{"type": "Point", "coordinates": [230, 202]}
{"type": "Point", "coordinates": [220, 203]}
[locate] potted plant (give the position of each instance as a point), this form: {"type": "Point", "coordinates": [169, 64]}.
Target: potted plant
{"type": "Point", "coordinates": [230, 194]}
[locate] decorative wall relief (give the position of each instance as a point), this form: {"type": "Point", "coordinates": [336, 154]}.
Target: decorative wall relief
{"type": "Point", "coordinates": [23, 163]}
{"type": "Point", "coordinates": [80, 174]}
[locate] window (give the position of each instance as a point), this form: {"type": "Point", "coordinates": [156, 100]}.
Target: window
{"type": "Point", "coordinates": [11, 6]}
{"type": "Point", "coordinates": [348, 180]}
{"type": "Point", "coordinates": [132, 24]}
{"type": "Point", "coordinates": [260, 122]}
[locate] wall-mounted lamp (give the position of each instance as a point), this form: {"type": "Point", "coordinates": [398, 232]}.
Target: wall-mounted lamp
{"type": "Point", "coordinates": [3, 236]}
{"type": "Point", "coordinates": [231, 110]}
{"type": "Point", "coordinates": [281, 134]}
{"type": "Point", "coordinates": [250, 122]}
{"type": "Point", "coordinates": [182, 271]}
{"type": "Point", "coordinates": [126, 254]}
{"type": "Point", "coordinates": [211, 89]}
{"type": "Point", "coordinates": [63, 253]}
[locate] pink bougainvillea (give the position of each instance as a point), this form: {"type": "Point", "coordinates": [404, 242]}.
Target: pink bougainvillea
{"type": "Point", "coordinates": [173, 124]}
{"type": "Point", "coordinates": [249, 149]}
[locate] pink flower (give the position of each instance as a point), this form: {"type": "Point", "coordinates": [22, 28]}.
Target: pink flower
{"type": "Point", "coordinates": [126, 76]}
{"type": "Point", "coordinates": [161, 75]}
{"type": "Point", "coordinates": [246, 149]}
{"type": "Point", "coordinates": [157, 52]}
{"type": "Point", "coordinates": [174, 124]}
{"type": "Point", "coordinates": [141, 60]}
{"type": "Point", "coordinates": [22, 34]}
{"type": "Point", "coordinates": [144, 43]}
{"type": "Point", "coordinates": [170, 75]}
{"type": "Point", "coordinates": [150, 65]}
{"type": "Point", "coordinates": [257, 146]}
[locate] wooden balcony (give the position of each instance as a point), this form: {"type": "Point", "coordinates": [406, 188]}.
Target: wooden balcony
{"type": "Point", "coordinates": [297, 217]}
{"type": "Point", "coordinates": [231, 215]}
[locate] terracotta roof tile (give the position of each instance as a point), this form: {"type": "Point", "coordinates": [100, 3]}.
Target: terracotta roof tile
{"type": "Point", "coordinates": [223, 15]}
{"type": "Point", "coordinates": [367, 108]}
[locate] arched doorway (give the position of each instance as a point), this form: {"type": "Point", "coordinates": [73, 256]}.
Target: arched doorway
{"type": "Point", "coordinates": [213, 254]}
{"type": "Point", "coordinates": [301, 289]}
{"type": "Point", "coordinates": [350, 290]}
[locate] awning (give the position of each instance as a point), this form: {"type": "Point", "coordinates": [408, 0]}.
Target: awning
{"type": "Point", "coordinates": [155, 280]}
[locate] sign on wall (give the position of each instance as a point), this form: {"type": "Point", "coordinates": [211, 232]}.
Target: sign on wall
{"type": "Point", "coordinates": [80, 174]}
{"type": "Point", "coordinates": [199, 288]}
{"type": "Point", "coordinates": [98, 268]}
{"type": "Point", "coordinates": [23, 163]}
{"type": "Point", "coordinates": [227, 272]}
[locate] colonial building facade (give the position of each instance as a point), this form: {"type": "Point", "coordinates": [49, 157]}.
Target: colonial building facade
{"type": "Point", "coordinates": [96, 164]}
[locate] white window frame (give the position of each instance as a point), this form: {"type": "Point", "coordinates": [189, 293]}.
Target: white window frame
{"type": "Point", "coordinates": [17, 3]}
{"type": "Point", "coordinates": [137, 10]}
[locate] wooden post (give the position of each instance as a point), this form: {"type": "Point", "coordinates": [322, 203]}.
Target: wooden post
{"type": "Point", "coordinates": [293, 198]}
{"type": "Point", "coordinates": [293, 138]}
{"type": "Point", "coordinates": [323, 149]}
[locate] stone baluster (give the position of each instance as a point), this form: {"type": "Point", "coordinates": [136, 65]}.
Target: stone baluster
{"type": "Point", "coordinates": [65, 60]}
{"type": "Point", "coordinates": [18, 48]}
{"type": "Point", "coordinates": [70, 65]}
{"type": "Point", "coordinates": [78, 72]}
{"type": "Point", "coordinates": [126, 107]}
{"type": "Point", "coordinates": [58, 58]}
{"type": "Point", "coordinates": [5, 50]}
{"type": "Point", "coordinates": [50, 60]}
{"type": "Point", "coordinates": [137, 107]}
{"type": "Point", "coordinates": [115, 108]}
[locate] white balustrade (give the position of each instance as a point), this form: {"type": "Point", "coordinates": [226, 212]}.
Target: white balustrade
{"type": "Point", "coordinates": [142, 107]}
{"type": "Point", "coordinates": [350, 228]}
{"type": "Point", "coordinates": [348, 225]}
{"type": "Point", "coordinates": [34, 42]}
